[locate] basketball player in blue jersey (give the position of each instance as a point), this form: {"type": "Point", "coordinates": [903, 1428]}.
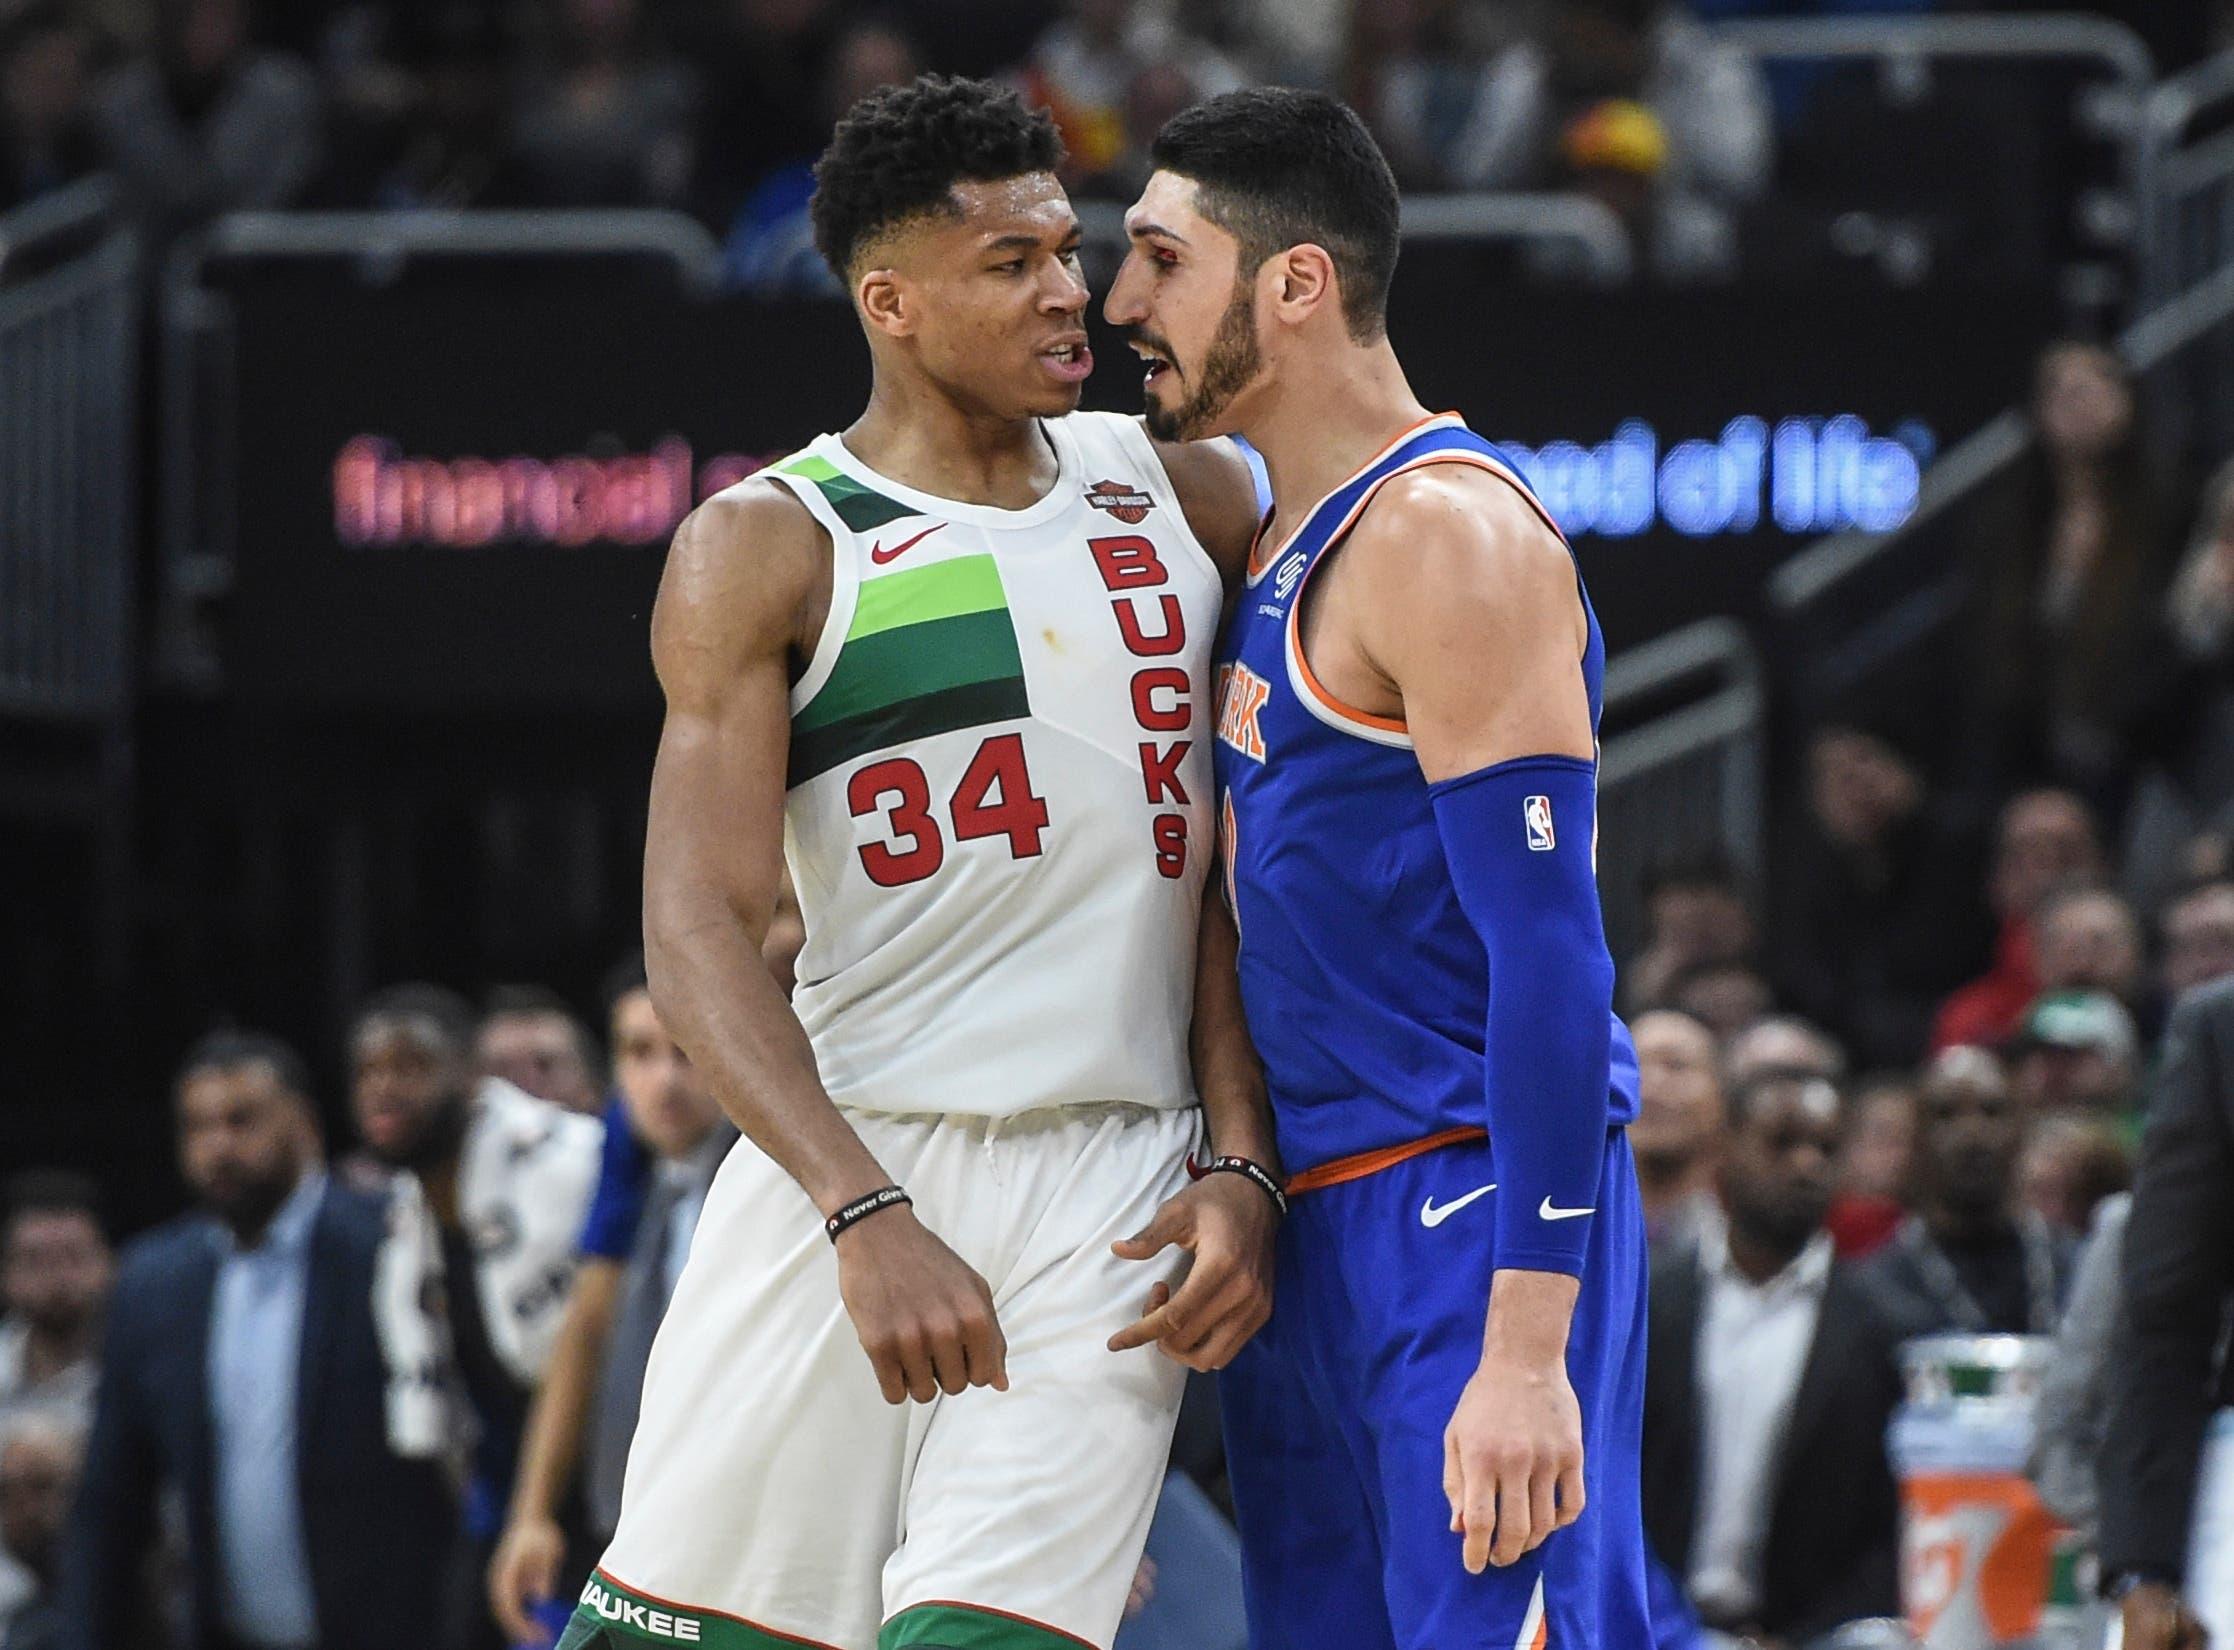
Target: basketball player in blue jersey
{"type": "Point", "coordinates": [1434, 1442]}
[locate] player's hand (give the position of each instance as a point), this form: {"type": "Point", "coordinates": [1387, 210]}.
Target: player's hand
{"type": "Point", "coordinates": [1227, 1224]}
{"type": "Point", "coordinates": [1512, 1458]}
{"type": "Point", "coordinates": [2157, 1619]}
{"type": "Point", "coordinates": [925, 1318]}
{"type": "Point", "coordinates": [525, 1572]}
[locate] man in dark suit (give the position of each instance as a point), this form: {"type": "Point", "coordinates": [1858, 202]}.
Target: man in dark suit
{"type": "Point", "coordinates": [242, 1372]}
{"type": "Point", "coordinates": [2169, 1374]}
{"type": "Point", "coordinates": [1769, 1382]}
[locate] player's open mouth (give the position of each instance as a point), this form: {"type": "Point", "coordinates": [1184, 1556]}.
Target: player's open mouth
{"type": "Point", "coordinates": [1069, 360]}
{"type": "Point", "coordinates": [1154, 365]}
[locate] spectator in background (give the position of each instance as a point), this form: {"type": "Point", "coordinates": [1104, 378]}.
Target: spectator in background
{"type": "Point", "coordinates": [46, 133]}
{"type": "Point", "coordinates": [1878, 911]}
{"type": "Point", "coordinates": [1086, 70]}
{"type": "Point", "coordinates": [766, 69]}
{"type": "Point", "coordinates": [1725, 997]}
{"type": "Point", "coordinates": [2088, 939]}
{"type": "Point", "coordinates": [40, 1451]}
{"type": "Point", "coordinates": [1784, 1044]}
{"type": "Point", "coordinates": [244, 1375]}
{"type": "Point", "coordinates": [2075, 1386]}
{"type": "Point", "coordinates": [2167, 1463]}
{"type": "Point", "coordinates": [1419, 73]}
{"type": "Point", "coordinates": [2185, 718]}
{"type": "Point", "coordinates": [55, 1272]}
{"type": "Point", "coordinates": [2072, 578]}
{"type": "Point", "coordinates": [1873, 1166]}
{"type": "Point", "coordinates": [1769, 1374]}
{"type": "Point", "coordinates": [1965, 1260]}
{"type": "Point", "coordinates": [210, 123]}
{"type": "Point", "coordinates": [2044, 838]}
{"type": "Point", "coordinates": [2197, 928]}
{"type": "Point", "coordinates": [1632, 102]}
{"type": "Point", "coordinates": [2069, 1167]}
{"type": "Point", "coordinates": [2075, 1055]}
{"type": "Point", "coordinates": [1696, 916]}
{"type": "Point", "coordinates": [1677, 1136]}
{"type": "Point", "coordinates": [605, 119]}
{"type": "Point", "coordinates": [585, 1412]}
{"type": "Point", "coordinates": [491, 1185]}
{"type": "Point", "coordinates": [530, 1038]}
{"type": "Point", "coordinates": [771, 250]}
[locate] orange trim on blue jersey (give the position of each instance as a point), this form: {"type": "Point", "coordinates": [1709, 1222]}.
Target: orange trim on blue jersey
{"type": "Point", "coordinates": [1340, 1170]}
{"type": "Point", "coordinates": [1257, 564]}
{"type": "Point", "coordinates": [1304, 672]}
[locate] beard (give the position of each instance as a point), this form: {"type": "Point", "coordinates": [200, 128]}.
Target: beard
{"type": "Point", "coordinates": [1227, 366]}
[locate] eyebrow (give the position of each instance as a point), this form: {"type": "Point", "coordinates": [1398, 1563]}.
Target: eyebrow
{"type": "Point", "coordinates": [1141, 231]}
{"type": "Point", "coordinates": [1025, 243]}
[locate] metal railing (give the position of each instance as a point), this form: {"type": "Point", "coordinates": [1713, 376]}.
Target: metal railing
{"type": "Point", "coordinates": [1688, 779]}
{"type": "Point", "coordinates": [1849, 611]}
{"type": "Point", "coordinates": [67, 440]}
{"type": "Point", "coordinates": [385, 241]}
{"type": "Point", "coordinates": [2189, 225]}
{"type": "Point", "coordinates": [1904, 49]}
{"type": "Point", "coordinates": [1587, 231]}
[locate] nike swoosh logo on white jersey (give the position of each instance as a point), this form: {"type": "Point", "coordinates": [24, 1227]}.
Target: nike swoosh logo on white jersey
{"type": "Point", "coordinates": [1431, 1217]}
{"type": "Point", "coordinates": [1547, 1211]}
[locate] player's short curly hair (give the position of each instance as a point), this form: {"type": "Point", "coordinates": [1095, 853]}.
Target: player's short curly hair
{"type": "Point", "coordinates": [899, 152]}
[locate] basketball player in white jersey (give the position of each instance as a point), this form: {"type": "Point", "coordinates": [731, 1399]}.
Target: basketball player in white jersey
{"type": "Point", "coordinates": [951, 667]}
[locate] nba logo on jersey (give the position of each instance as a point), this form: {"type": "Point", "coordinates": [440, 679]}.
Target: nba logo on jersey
{"type": "Point", "coordinates": [1537, 810]}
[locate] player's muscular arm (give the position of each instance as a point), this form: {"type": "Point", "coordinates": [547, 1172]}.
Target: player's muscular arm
{"type": "Point", "coordinates": [1466, 605]}
{"type": "Point", "coordinates": [748, 574]}
{"type": "Point", "coordinates": [1219, 498]}
{"type": "Point", "coordinates": [524, 1570]}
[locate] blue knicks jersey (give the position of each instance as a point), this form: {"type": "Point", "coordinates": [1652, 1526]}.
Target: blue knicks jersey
{"type": "Point", "coordinates": [1366, 986]}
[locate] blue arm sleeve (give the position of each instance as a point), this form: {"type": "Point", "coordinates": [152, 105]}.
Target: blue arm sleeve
{"type": "Point", "coordinates": [609, 1230]}
{"type": "Point", "coordinates": [1518, 839]}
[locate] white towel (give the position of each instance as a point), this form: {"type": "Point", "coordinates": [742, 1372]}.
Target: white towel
{"type": "Point", "coordinates": [526, 1171]}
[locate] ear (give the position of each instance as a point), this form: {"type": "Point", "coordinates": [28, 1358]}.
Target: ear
{"type": "Point", "coordinates": [1302, 284]}
{"type": "Point", "coordinates": [886, 302]}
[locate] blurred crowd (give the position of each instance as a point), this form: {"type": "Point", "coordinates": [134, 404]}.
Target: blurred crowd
{"type": "Point", "coordinates": [717, 107]}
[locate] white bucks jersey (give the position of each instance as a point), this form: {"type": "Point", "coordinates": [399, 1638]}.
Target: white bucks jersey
{"type": "Point", "coordinates": [999, 815]}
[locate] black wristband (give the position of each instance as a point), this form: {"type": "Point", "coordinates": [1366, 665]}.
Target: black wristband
{"type": "Point", "coordinates": [1252, 1171]}
{"type": "Point", "coordinates": [861, 1208]}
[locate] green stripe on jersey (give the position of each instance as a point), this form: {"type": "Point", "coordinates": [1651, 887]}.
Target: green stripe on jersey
{"type": "Point", "coordinates": [858, 505]}
{"type": "Point", "coordinates": [940, 590]}
{"type": "Point", "coordinates": [912, 660]}
{"type": "Point", "coordinates": [974, 705]}
{"type": "Point", "coordinates": [610, 1617]}
{"type": "Point", "coordinates": [958, 1627]}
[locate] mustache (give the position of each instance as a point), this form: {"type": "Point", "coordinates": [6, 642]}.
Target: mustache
{"type": "Point", "coordinates": [1155, 341]}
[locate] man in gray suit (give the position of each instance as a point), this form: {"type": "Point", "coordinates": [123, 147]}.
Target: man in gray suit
{"type": "Point", "coordinates": [585, 1410]}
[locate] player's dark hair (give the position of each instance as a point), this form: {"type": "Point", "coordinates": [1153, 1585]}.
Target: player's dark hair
{"type": "Point", "coordinates": [450, 1015]}
{"type": "Point", "coordinates": [48, 1192]}
{"type": "Point", "coordinates": [899, 152]}
{"type": "Point", "coordinates": [229, 1049]}
{"type": "Point", "coordinates": [1279, 167]}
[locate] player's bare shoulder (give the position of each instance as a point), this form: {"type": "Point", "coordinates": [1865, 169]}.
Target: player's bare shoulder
{"type": "Point", "coordinates": [1218, 495]}
{"type": "Point", "coordinates": [748, 574]}
{"type": "Point", "coordinates": [1458, 546]}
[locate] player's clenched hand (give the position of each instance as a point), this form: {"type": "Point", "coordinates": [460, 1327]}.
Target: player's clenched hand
{"type": "Point", "coordinates": [924, 1317]}
{"type": "Point", "coordinates": [525, 1572]}
{"type": "Point", "coordinates": [1512, 1458]}
{"type": "Point", "coordinates": [1227, 1224]}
